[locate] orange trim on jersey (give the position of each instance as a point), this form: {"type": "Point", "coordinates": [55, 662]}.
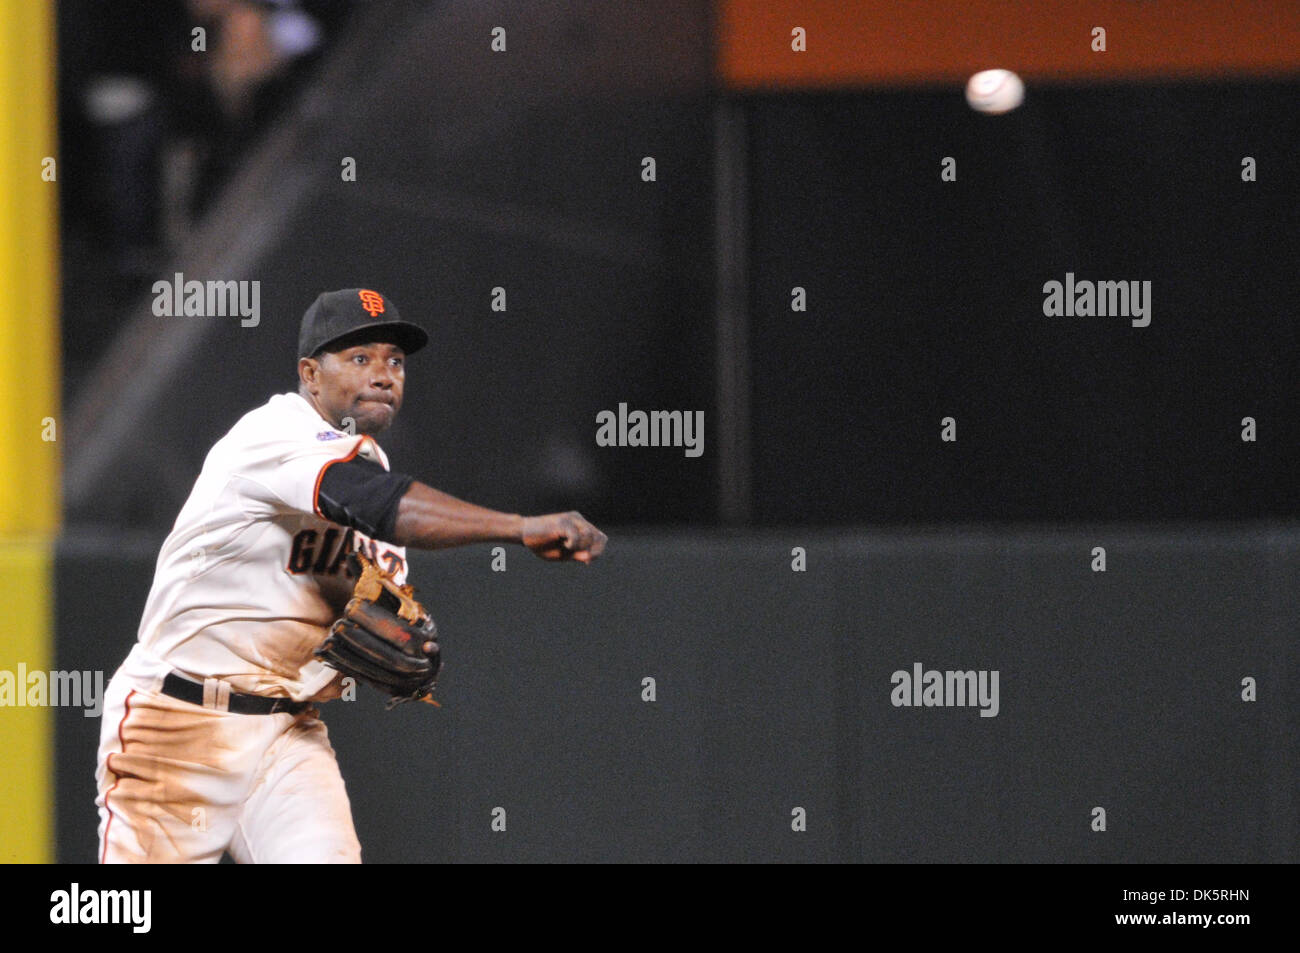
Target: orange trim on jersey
{"type": "Point", "coordinates": [315, 493]}
{"type": "Point", "coordinates": [108, 766]}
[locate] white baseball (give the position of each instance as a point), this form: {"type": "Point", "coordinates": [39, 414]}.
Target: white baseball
{"type": "Point", "coordinates": [995, 91]}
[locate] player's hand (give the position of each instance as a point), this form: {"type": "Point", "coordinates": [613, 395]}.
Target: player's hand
{"type": "Point", "coordinates": [563, 536]}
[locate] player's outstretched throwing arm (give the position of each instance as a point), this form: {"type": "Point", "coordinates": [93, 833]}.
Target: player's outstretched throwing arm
{"type": "Point", "coordinates": [356, 491]}
{"type": "Point", "coordinates": [430, 519]}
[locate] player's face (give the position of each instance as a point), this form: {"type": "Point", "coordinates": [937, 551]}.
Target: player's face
{"type": "Point", "coordinates": [363, 383]}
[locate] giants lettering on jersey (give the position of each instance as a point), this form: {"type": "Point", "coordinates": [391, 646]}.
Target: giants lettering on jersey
{"type": "Point", "coordinates": [327, 554]}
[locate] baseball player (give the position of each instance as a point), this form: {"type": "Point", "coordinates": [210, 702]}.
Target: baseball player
{"type": "Point", "coordinates": [211, 741]}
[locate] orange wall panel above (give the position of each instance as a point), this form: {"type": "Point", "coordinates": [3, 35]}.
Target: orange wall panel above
{"type": "Point", "coordinates": [898, 42]}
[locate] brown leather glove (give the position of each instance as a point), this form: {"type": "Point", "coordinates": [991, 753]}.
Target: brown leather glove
{"type": "Point", "coordinates": [385, 637]}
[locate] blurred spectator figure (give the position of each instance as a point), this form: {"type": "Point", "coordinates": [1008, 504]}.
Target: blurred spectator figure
{"type": "Point", "coordinates": [115, 67]}
{"type": "Point", "coordinates": [256, 49]}
{"type": "Point", "coordinates": [151, 128]}
{"type": "Point", "coordinates": [158, 125]}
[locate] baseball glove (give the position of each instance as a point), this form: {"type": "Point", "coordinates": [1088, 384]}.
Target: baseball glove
{"type": "Point", "coordinates": [385, 637]}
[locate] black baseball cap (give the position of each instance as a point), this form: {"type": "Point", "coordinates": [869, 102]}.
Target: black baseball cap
{"type": "Point", "coordinates": [361, 316]}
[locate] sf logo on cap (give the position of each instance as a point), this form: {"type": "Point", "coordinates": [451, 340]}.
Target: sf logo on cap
{"type": "Point", "coordinates": [372, 301]}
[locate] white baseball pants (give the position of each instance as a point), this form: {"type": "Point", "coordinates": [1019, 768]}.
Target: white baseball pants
{"type": "Point", "coordinates": [180, 783]}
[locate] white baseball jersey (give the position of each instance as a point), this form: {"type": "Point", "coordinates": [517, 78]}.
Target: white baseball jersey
{"type": "Point", "coordinates": [252, 575]}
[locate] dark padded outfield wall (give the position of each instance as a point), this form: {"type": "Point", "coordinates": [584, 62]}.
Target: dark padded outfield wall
{"type": "Point", "coordinates": [925, 300]}
{"type": "Point", "coordinates": [774, 691]}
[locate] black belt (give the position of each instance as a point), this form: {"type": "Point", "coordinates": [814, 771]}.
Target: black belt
{"type": "Point", "coordinates": [178, 686]}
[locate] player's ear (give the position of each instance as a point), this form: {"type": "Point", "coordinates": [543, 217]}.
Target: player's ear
{"type": "Point", "coordinates": [308, 371]}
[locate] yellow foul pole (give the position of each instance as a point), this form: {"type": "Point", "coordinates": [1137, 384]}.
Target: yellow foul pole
{"type": "Point", "coordinates": [30, 422]}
